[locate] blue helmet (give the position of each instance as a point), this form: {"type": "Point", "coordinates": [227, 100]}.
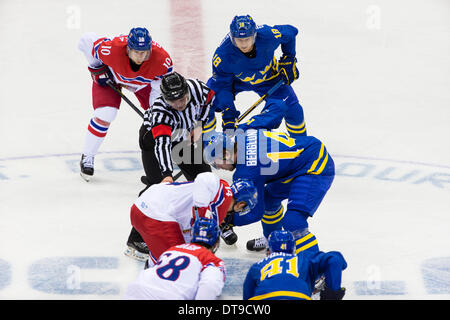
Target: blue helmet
{"type": "Point", "coordinates": [206, 231]}
{"type": "Point", "coordinates": [214, 146]}
{"type": "Point", "coordinates": [139, 39]}
{"type": "Point", "coordinates": [242, 27]}
{"type": "Point", "coordinates": [245, 190]}
{"type": "Point", "coordinates": [281, 241]}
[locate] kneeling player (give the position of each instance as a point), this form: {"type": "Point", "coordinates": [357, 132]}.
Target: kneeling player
{"type": "Point", "coordinates": [285, 275]}
{"type": "Point", "coordinates": [186, 271]}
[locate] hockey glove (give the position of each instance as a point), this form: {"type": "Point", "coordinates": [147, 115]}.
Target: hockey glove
{"type": "Point", "coordinates": [227, 232]}
{"type": "Point", "coordinates": [229, 219]}
{"type": "Point", "coordinates": [229, 120]}
{"type": "Point", "coordinates": [328, 294]}
{"type": "Point", "coordinates": [288, 69]}
{"type": "Point", "coordinates": [101, 75]}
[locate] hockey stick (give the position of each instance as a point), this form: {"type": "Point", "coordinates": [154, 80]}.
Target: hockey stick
{"type": "Point", "coordinates": [258, 102]}
{"type": "Point", "coordinates": [111, 85]}
{"type": "Point", "coordinates": [139, 112]}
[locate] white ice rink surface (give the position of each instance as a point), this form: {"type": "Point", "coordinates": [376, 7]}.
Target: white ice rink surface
{"type": "Point", "coordinates": [375, 80]}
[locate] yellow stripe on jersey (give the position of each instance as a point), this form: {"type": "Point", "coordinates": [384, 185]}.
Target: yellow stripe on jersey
{"type": "Point", "coordinates": [224, 123]}
{"type": "Point", "coordinates": [208, 130]}
{"type": "Point", "coordinates": [288, 180]}
{"type": "Point", "coordinates": [319, 171]}
{"type": "Point", "coordinates": [322, 147]}
{"type": "Point", "coordinates": [213, 122]}
{"type": "Point", "coordinates": [316, 162]}
{"type": "Point", "coordinates": [281, 294]}
{"type": "Point", "coordinates": [209, 126]}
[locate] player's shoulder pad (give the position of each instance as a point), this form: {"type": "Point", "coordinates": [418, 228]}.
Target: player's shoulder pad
{"type": "Point", "coordinates": [119, 41]}
{"type": "Point", "coordinates": [209, 259]}
{"type": "Point", "coordinates": [225, 43]}
{"type": "Point", "coordinates": [207, 178]}
{"type": "Point", "coordinates": [158, 52]}
{"type": "Point", "coordinates": [286, 29]}
{"type": "Point", "coordinates": [225, 47]}
{"type": "Point", "coordinates": [205, 256]}
{"type": "Point", "coordinates": [264, 31]}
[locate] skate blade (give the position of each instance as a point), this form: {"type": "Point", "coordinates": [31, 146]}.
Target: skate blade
{"type": "Point", "coordinates": [134, 254]}
{"type": "Point", "coordinates": [85, 177]}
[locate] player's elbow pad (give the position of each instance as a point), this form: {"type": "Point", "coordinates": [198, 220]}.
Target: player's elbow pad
{"type": "Point", "coordinates": [210, 285]}
{"type": "Point", "coordinates": [85, 45]}
{"type": "Point", "coordinates": [337, 261]}
{"type": "Point", "coordinates": [205, 188]}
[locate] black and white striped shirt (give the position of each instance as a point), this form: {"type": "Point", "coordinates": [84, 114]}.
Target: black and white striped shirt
{"type": "Point", "coordinates": [172, 126]}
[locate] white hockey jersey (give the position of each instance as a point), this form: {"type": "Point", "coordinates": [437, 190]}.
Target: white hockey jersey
{"type": "Point", "coordinates": [183, 272]}
{"type": "Point", "coordinates": [175, 201]}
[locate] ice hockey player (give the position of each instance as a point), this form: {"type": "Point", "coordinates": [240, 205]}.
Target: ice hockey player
{"type": "Point", "coordinates": [134, 62]}
{"type": "Point", "coordinates": [299, 170]}
{"type": "Point", "coordinates": [282, 274]}
{"type": "Point", "coordinates": [245, 61]}
{"type": "Point", "coordinates": [163, 215]}
{"type": "Point", "coordinates": [188, 271]}
{"type": "Point", "coordinates": [175, 122]}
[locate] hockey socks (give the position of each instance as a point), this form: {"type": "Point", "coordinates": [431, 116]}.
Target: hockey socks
{"type": "Point", "coordinates": [97, 130]}
{"type": "Point", "coordinates": [271, 221]}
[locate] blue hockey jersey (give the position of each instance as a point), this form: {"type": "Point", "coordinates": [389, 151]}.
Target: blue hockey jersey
{"type": "Point", "coordinates": [292, 277]}
{"type": "Point", "coordinates": [265, 156]}
{"type": "Point", "coordinates": [233, 71]}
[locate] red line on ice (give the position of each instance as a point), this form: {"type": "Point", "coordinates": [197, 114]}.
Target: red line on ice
{"type": "Point", "coordinates": [188, 51]}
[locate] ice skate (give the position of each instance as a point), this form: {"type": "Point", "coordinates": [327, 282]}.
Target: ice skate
{"type": "Point", "coordinates": [137, 250]}
{"type": "Point", "coordinates": [87, 167]}
{"type": "Point", "coordinates": [257, 244]}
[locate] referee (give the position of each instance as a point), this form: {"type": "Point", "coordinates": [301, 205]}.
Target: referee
{"type": "Point", "coordinates": [171, 128]}
{"type": "Point", "coordinates": [174, 123]}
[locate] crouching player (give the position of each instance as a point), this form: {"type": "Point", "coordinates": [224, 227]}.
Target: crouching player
{"type": "Point", "coordinates": [299, 170]}
{"type": "Point", "coordinates": [164, 214]}
{"type": "Point", "coordinates": [282, 274]}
